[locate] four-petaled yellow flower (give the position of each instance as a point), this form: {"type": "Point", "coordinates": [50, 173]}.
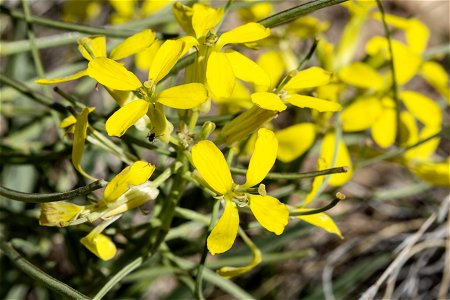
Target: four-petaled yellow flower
{"type": "Point", "coordinates": [114, 75]}
{"type": "Point", "coordinates": [269, 211]}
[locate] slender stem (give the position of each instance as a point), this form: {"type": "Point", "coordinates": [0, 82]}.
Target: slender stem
{"type": "Point", "coordinates": [37, 274]}
{"type": "Point", "coordinates": [295, 175]}
{"type": "Point", "coordinates": [112, 32]}
{"type": "Point", "coordinates": [162, 178]}
{"type": "Point", "coordinates": [34, 51]}
{"type": "Point", "coordinates": [399, 151]}
{"type": "Point", "coordinates": [308, 55]}
{"type": "Point", "coordinates": [117, 277]}
{"type": "Point", "coordinates": [298, 11]}
{"type": "Point", "coordinates": [51, 197]}
{"type": "Point", "coordinates": [14, 47]}
{"type": "Point", "coordinates": [393, 71]}
{"type": "Point", "coordinates": [36, 96]}
{"type": "Point", "coordinates": [199, 280]}
{"type": "Point", "coordinates": [316, 211]}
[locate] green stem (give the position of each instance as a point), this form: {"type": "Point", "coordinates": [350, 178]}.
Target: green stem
{"type": "Point", "coordinates": [51, 197]}
{"type": "Point", "coordinates": [316, 211]}
{"type": "Point", "coordinates": [34, 51]}
{"type": "Point", "coordinates": [199, 280]}
{"type": "Point", "coordinates": [295, 12]}
{"type": "Point", "coordinates": [393, 71]}
{"type": "Point", "coordinates": [36, 96]}
{"type": "Point", "coordinates": [39, 275]}
{"type": "Point", "coordinates": [399, 151]}
{"type": "Point", "coordinates": [117, 277]}
{"type": "Point", "coordinates": [112, 32]}
{"type": "Point", "coordinates": [294, 176]}
{"type": "Point", "coordinates": [14, 47]}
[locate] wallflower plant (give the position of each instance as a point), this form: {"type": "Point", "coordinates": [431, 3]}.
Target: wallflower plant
{"type": "Point", "coordinates": [269, 211]}
{"type": "Point", "coordinates": [251, 104]}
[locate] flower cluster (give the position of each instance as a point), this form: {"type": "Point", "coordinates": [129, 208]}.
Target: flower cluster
{"type": "Point", "coordinates": [340, 96]}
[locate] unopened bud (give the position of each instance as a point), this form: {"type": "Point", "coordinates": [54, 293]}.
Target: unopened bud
{"type": "Point", "coordinates": [207, 128]}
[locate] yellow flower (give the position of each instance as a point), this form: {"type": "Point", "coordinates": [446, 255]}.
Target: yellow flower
{"type": "Point", "coordinates": [268, 104]}
{"type": "Point", "coordinates": [99, 244]}
{"type": "Point", "coordinates": [114, 75]}
{"type": "Point", "coordinates": [269, 211]}
{"type": "Point", "coordinates": [133, 175]}
{"type": "Point", "coordinates": [78, 125]}
{"type": "Point", "coordinates": [222, 67]}
{"type": "Point", "coordinates": [95, 46]}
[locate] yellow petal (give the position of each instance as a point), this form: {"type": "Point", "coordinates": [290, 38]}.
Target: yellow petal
{"type": "Point", "coordinates": [70, 120]}
{"type": "Point", "coordinates": [427, 149]}
{"type": "Point", "coordinates": [113, 74]}
{"type": "Point", "coordinates": [406, 62]}
{"type": "Point", "coordinates": [263, 157]}
{"type": "Point", "coordinates": [58, 213]}
{"type": "Point", "coordinates": [313, 102]}
{"type": "Point", "coordinates": [166, 57]}
{"type": "Point", "coordinates": [224, 233]}
{"type": "Point", "coordinates": [211, 164]}
{"type": "Point", "coordinates": [270, 213]}
{"type": "Point", "coordinates": [183, 15]}
{"type": "Point", "coordinates": [396, 21]}
{"type": "Point", "coordinates": [273, 64]}
{"type": "Point", "coordinates": [247, 70]}
{"type": "Point", "coordinates": [134, 44]}
{"type": "Point", "coordinates": [361, 114]}
{"type": "Point", "coordinates": [92, 47]}
{"type": "Point", "coordinates": [361, 75]}
{"type": "Point", "coordinates": [294, 141]}
{"type": "Point", "coordinates": [136, 174]}
{"type": "Point", "coordinates": [309, 78]}
{"type": "Point", "coordinates": [150, 7]}
{"type": "Point", "coordinates": [423, 108]}
{"type": "Point", "coordinates": [249, 32]}
{"type": "Point", "coordinates": [220, 75]}
{"type": "Point", "coordinates": [230, 272]}
{"type": "Point", "coordinates": [435, 173]}
{"type": "Point", "coordinates": [437, 77]}
{"type": "Point", "coordinates": [384, 130]}
{"type": "Point", "coordinates": [184, 96]}
{"type": "Point", "coordinates": [321, 220]}
{"type": "Point", "coordinates": [100, 245]}
{"type": "Point", "coordinates": [188, 43]}
{"type": "Point", "coordinates": [268, 101]}
{"type": "Point", "coordinates": [125, 117]}
{"type": "Point", "coordinates": [63, 79]}
{"type": "Point", "coordinates": [342, 159]}
{"type": "Point", "coordinates": [205, 18]}
{"type": "Point", "coordinates": [417, 36]}
{"type": "Point", "coordinates": [79, 138]}
{"type": "Point", "coordinates": [145, 58]}
{"type": "Point", "coordinates": [409, 132]}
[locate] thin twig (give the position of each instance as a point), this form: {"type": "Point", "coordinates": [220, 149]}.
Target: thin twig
{"type": "Point", "coordinates": [51, 197]}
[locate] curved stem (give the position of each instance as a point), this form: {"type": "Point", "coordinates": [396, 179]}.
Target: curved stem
{"type": "Point", "coordinates": [291, 14]}
{"type": "Point", "coordinates": [51, 197]}
{"type": "Point", "coordinates": [294, 176]}
{"type": "Point", "coordinates": [315, 211]}
{"type": "Point", "coordinates": [199, 280]}
{"type": "Point", "coordinates": [37, 274]}
{"type": "Point", "coordinates": [112, 32]}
